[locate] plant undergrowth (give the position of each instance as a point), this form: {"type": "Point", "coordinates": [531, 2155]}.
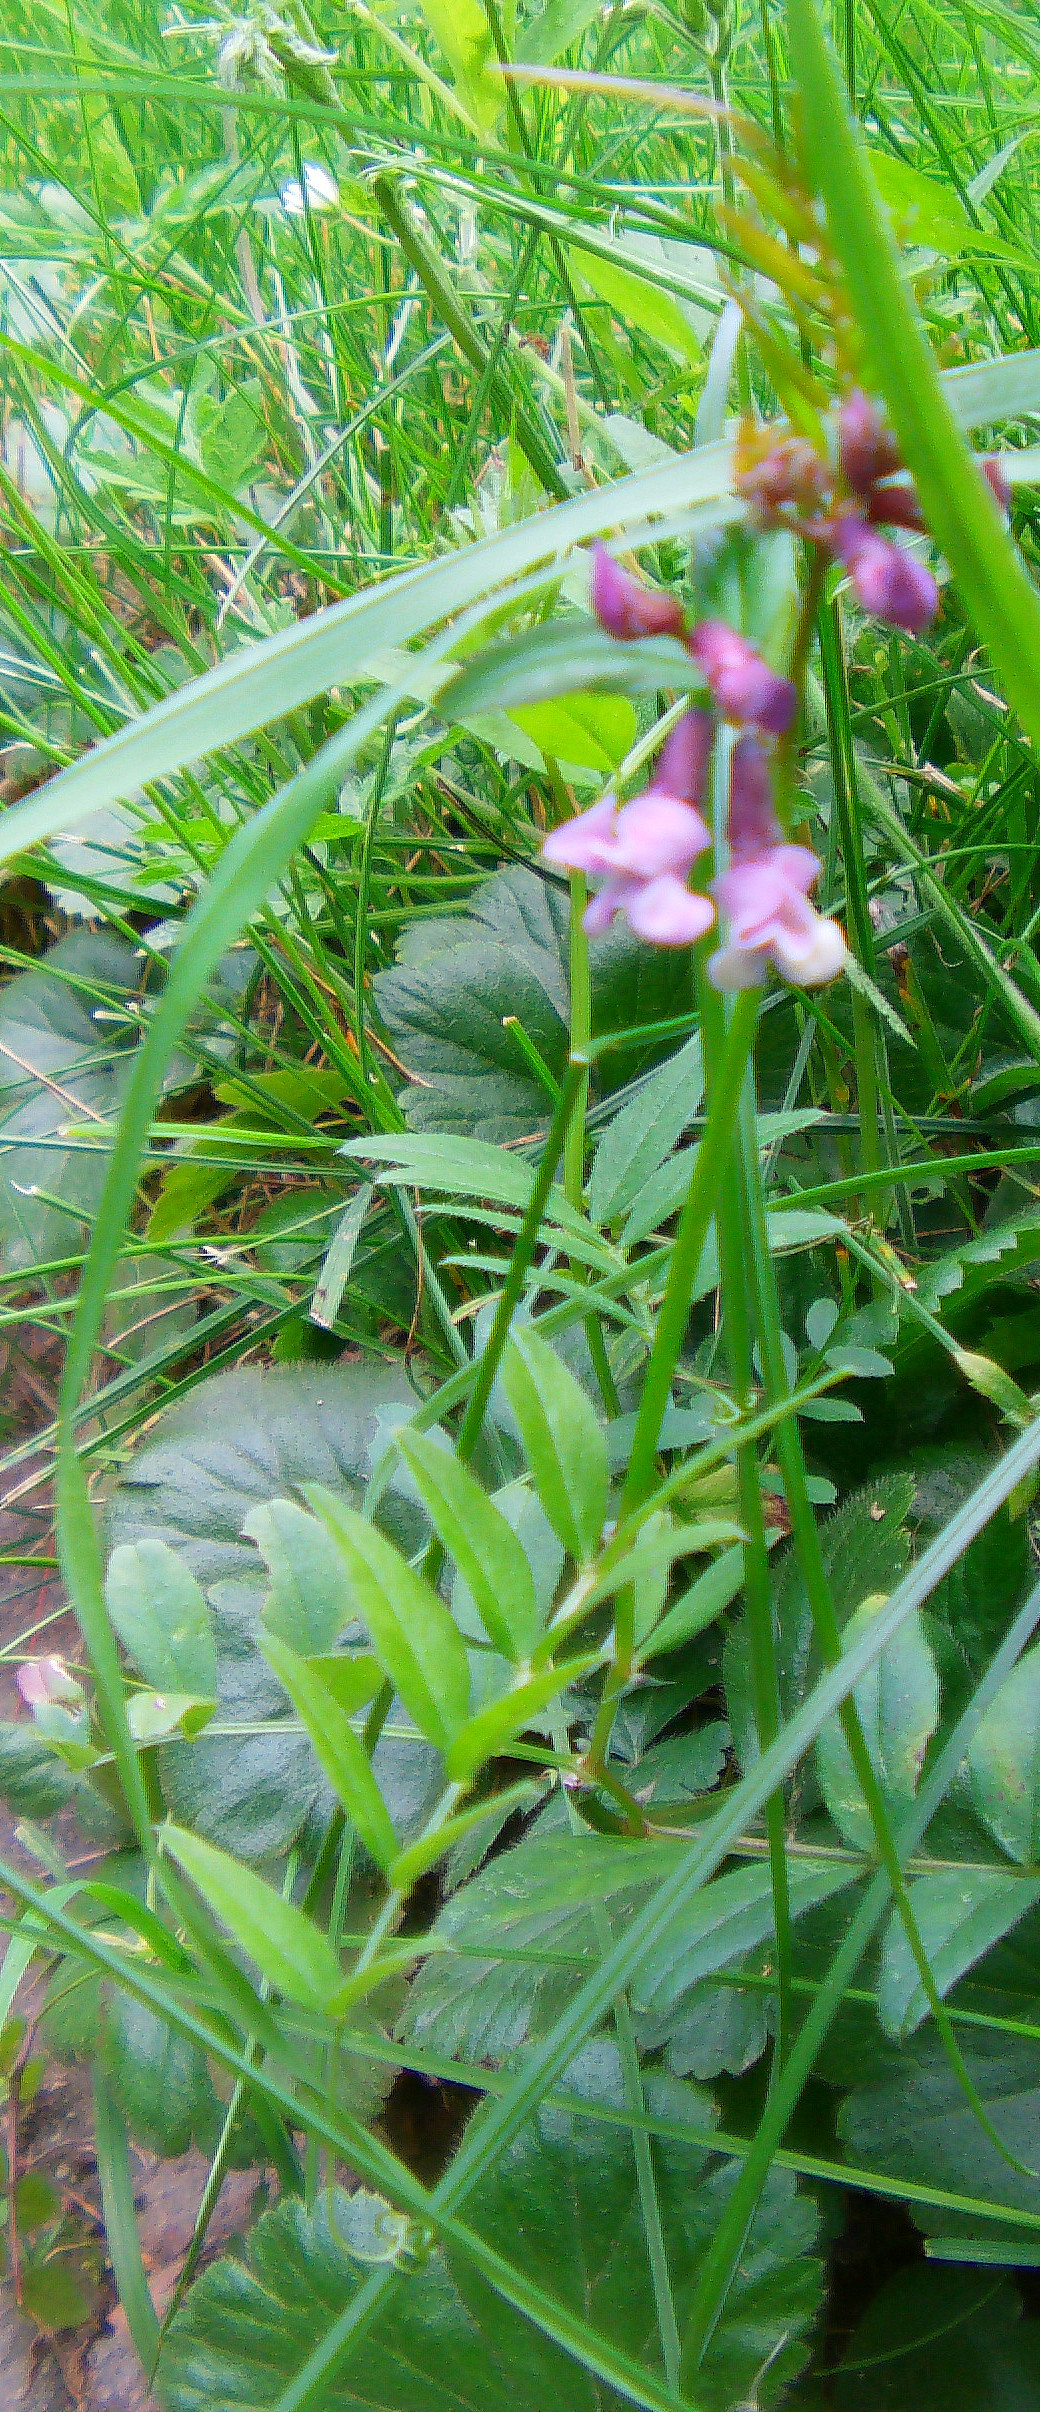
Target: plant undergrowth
{"type": "Point", "coordinates": [547, 1433]}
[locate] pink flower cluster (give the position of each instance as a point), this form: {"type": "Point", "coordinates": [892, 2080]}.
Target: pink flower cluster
{"type": "Point", "coordinates": [643, 852]}
{"type": "Point", "coordinates": [789, 484]}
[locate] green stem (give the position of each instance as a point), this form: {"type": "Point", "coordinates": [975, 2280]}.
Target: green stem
{"type": "Point", "coordinates": [688, 1250]}
{"type": "Point", "coordinates": [758, 1592]}
{"type": "Point", "coordinates": [526, 1243]}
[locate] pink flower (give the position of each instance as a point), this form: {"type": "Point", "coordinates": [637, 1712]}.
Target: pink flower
{"type": "Point", "coordinates": [888, 583]}
{"type": "Point", "coordinates": [628, 609]}
{"type": "Point", "coordinates": [766, 900]}
{"type": "Point", "coordinates": [743, 685]}
{"type": "Point", "coordinates": [41, 1680]}
{"type": "Point", "coordinates": [644, 852]}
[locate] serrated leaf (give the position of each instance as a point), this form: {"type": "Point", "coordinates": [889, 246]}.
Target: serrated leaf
{"type": "Point", "coordinates": [898, 1704]}
{"type": "Point", "coordinates": [457, 982]}
{"type": "Point", "coordinates": [563, 1442]}
{"type": "Point", "coordinates": [289, 1950]}
{"type": "Point", "coordinates": [416, 1641]}
{"type": "Point", "coordinates": [337, 1747]}
{"type": "Point", "coordinates": [485, 1548]}
{"type": "Point", "coordinates": [565, 2194]}
{"type": "Point", "coordinates": [162, 1617]}
{"type": "Point", "coordinates": [960, 1914]}
{"type": "Point", "coordinates": [237, 1442]}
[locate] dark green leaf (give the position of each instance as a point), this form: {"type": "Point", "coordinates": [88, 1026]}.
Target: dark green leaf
{"type": "Point", "coordinates": [565, 2202]}
{"type": "Point", "coordinates": [942, 2340]}
{"type": "Point", "coordinates": [960, 1914]}
{"type": "Point", "coordinates": [1004, 1761]}
{"type": "Point", "coordinates": [457, 982]}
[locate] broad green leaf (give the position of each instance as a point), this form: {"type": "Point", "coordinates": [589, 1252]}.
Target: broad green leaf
{"type": "Point", "coordinates": [448, 1002]}
{"type": "Point", "coordinates": [637, 302]}
{"type": "Point", "coordinates": [308, 1605]}
{"type": "Point", "coordinates": [162, 1617]}
{"type": "Point", "coordinates": [563, 1442]}
{"type": "Point", "coordinates": [941, 2340]}
{"type": "Point", "coordinates": [289, 1950]}
{"type": "Point", "coordinates": [958, 505]}
{"type": "Point", "coordinates": [553, 30]}
{"type": "Point", "coordinates": [960, 1913]}
{"type": "Point", "coordinates": [464, 34]}
{"type": "Point", "coordinates": [913, 2123]}
{"type": "Point", "coordinates": [898, 1705]}
{"type": "Point", "coordinates": [33, 1780]}
{"type": "Point", "coordinates": [589, 732]}
{"type": "Point", "coordinates": [237, 1442]}
{"type": "Point", "coordinates": [487, 1553]}
{"type": "Point", "coordinates": [337, 1747]}
{"type": "Point", "coordinates": [566, 657]}
{"type": "Point", "coordinates": [489, 1733]}
{"type": "Point", "coordinates": [865, 1550]}
{"type": "Point", "coordinates": [564, 2199]}
{"type": "Point", "coordinates": [414, 1638]}
{"type": "Point", "coordinates": [517, 1940]}
{"type": "Point", "coordinates": [1004, 1761]}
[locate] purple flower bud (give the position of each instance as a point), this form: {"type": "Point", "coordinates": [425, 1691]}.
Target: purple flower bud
{"type": "Point", "coordinates": [767, 904]}
{"type": "Point", "coordinates": [626, 608]}
{"type": "Point", "coordinates": [996, 476]}
{"type": "Point", "coordinates": [889, 583]}
{"type": "Point", "coordinates": [753, 825]}
{"type": "Point", "coordinates": [682, 764]}
{"type": "Point", "coordinates": [41, 1680]}
{"type": "Point", "coordinates": [867, 449]}
{"type": "Point", "coordinates": [895, 506]}
{"type": "Point", "coordinates": [743, 685]}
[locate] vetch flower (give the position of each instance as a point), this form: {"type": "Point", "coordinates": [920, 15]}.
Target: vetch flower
{"type": "Point", "coordinates": [765, 892]}
{"type": "Point", "coordinates": [888, 582]}
{"type": "Point", "coordinates": [626, 608]}
{"type": "Point", "coordinates": [41, 1680]}
{"type": "Point", "coordinates": [744, 687]}
{"type": "Point", "coordinates": [644, 852]}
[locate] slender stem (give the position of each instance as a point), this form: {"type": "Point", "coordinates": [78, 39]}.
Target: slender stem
{"type": "Point", "coordinates": [688, 1250]}
{"type": "Point", "coordinates": [758, 1590]}
{"type": "Point", "coordinates": [526, 1242]}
